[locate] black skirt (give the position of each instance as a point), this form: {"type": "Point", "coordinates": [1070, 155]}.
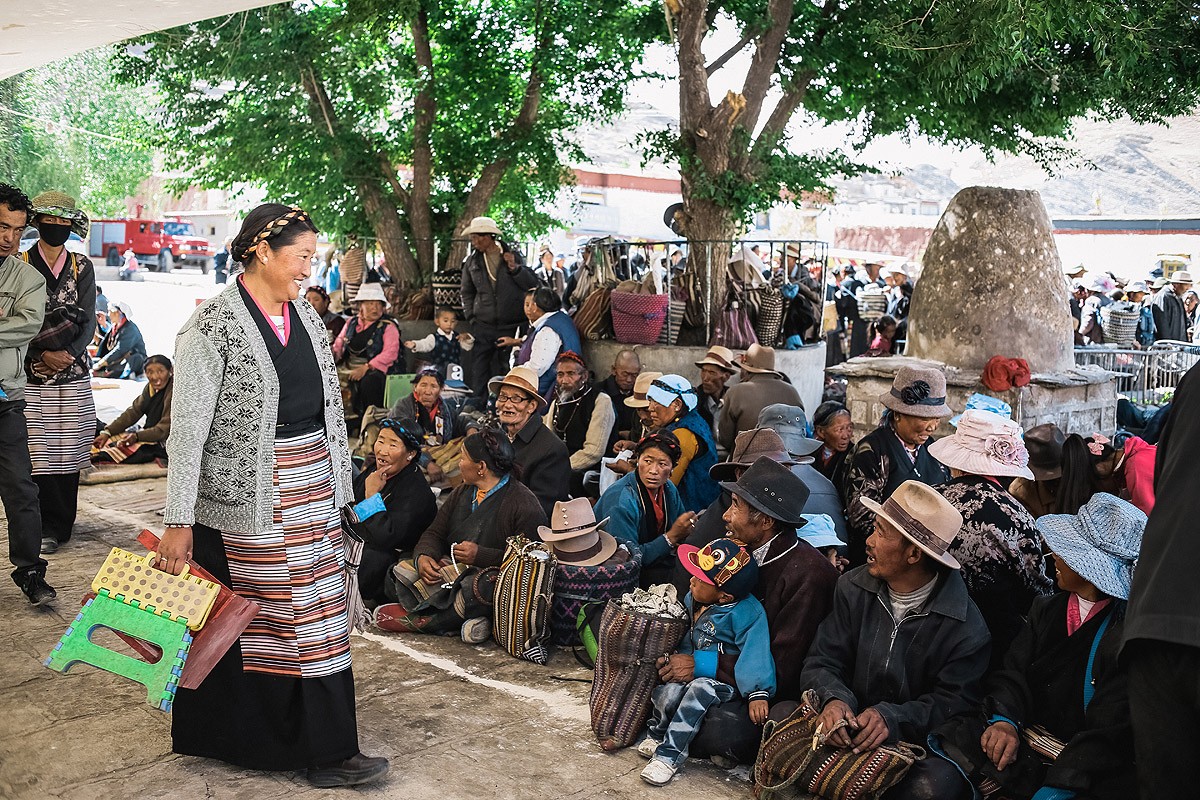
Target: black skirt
{"type": "Point", "coordinates": [259, 721]}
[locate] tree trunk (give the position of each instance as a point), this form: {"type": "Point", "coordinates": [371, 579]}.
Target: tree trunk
{"type": "Point", "coordinates": [385, 223]}
{"type": "Point", "coordinates": [710, 230]}
{"type": "Point", "coordinates": [424, 113]}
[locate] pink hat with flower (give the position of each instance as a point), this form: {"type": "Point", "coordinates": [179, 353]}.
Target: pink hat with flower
{"type": "Point", "coordinates": [985, 444]}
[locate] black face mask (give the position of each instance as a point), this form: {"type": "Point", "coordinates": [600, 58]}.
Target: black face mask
{"type": "Point", "coordinates": [54, 235]}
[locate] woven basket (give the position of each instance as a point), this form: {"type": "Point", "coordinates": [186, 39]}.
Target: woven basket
{"type": "Point", "coordinates": [872, 303]}
{"type": "Point", "coordinates": [638, 318]}
{"type": "Point", "coordinates": [629, 645]}
{"type": "Point", "coordinates": [574, 586]}
{"type": "Point", "coordinates": [1120, 325]}
{"type": "Point", "coordinates": [447, 289]}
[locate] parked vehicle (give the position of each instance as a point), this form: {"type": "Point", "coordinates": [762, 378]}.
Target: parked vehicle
{"type": "Point", "coordinates": [160, 244]}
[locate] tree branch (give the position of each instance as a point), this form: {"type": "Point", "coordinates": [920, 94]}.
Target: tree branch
{"type": "Point", "coordinates": [389, 172]}
{"type": "Point", "coordinates": [772, 131]}
{"type": "Point", "coordinates": [766, 59]}
{"type": "Point", "coordinates": [420, 216]}
{"type": "Point", "coordinates": [724, 58]}
{"type": "Point", "coordinates": [694, 100]}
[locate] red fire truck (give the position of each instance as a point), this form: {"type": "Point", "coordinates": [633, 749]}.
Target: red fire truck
{"type": "Point", "coordinates": [160, 244]}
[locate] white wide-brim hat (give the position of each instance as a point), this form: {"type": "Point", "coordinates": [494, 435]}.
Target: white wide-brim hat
{"type": "Point", "coordinates": [370, 291]}
{"type": "Point", "coordinates": [482, 225]}
{"type": "Point", "coordinates": [987, 444]}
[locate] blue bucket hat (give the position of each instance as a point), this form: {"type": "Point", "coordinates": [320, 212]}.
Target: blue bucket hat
{"type": "Point", "coordinates": [1101, 542]}
{"type": "Point", "coordinates": [665, 389]}
{"type": "Point", "coordinates": [819, 532]}
{"type": "Point", "coordinates": [984, 402]}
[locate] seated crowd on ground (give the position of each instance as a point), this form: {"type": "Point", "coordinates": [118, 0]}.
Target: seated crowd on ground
{"type": "Point", "coordinates": [957, 593]}
{"type": "Point", "coordinates": [929, 544]}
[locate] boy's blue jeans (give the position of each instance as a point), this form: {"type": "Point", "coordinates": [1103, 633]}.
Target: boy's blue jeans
{"type": "Point", "coordinates": [679, 709]}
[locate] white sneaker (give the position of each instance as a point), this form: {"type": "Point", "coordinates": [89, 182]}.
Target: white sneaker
{"type": "Point", "coordinates": [658, 772]}
{"type": "Point", "coordinates": [476, 630]}
{"type": "Point", "coordinates": [647, 747]}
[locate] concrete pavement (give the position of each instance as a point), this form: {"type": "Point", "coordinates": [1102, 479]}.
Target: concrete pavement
{"type": "Point", "coordinates": [456, 721]}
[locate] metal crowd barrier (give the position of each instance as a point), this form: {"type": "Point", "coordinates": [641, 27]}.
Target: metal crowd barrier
{"type": "Point", "coordinates": [1145, 376]}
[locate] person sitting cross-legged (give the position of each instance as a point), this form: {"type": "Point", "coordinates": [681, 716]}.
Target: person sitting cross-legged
{"type": "Point", "coordinates": [904, 648]}
{"type": "Point", "coordinates": [726, 618]}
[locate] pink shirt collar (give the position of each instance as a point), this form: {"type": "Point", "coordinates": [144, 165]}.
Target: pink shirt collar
{"type": "Point", "coordinates": [57, 267]}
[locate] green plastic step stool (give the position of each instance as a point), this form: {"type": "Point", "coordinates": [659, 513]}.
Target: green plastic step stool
{"type": "Point", "coordinates": [161, 679]}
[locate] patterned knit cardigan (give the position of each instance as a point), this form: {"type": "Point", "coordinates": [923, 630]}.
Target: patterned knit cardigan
{"type": "Point", "coordinates": [226, 401]}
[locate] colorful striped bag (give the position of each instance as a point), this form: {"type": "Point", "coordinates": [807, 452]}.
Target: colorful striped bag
{"type": "Point", "coordinates": [575, 586]}
{"type": "Point", "coordinates": [524, 592]}
{"type": "Point", "coordinates": [630, 644]}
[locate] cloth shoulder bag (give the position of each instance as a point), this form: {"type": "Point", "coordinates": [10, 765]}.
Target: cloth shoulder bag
{"type": "Point", "coordinates": [629, 644]}
{"type": "Point", "coordinates": [733, 328]}
{"type": "Point", "coordinates": [793, 753]}
{"type": "Point", "coordinates": [523, 597]}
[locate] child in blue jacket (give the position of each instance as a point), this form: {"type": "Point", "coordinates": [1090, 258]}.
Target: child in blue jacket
{"type": "Point", "coordinates": [726, 618]}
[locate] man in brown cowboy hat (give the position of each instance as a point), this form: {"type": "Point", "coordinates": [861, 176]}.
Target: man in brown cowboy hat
{"type": "Point", "coordinates": [716, 368]}
{"type": "Point", "coordinates": [760, 385]}
{"type": "Point", "coordinates": [905, 649]}
{"type": "Point", "coordinates": [763, 509]}
{"type": "Point", "coordinates": [542, 457]}
{"type": "Point", "coordinates": [494, 282]}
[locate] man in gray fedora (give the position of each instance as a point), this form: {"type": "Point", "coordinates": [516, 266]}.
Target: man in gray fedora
{"type": "Point", "coordinates": [791, 424]}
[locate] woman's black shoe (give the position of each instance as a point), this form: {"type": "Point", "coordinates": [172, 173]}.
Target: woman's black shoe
{"type": "Point", "coordinates": [351, 772]}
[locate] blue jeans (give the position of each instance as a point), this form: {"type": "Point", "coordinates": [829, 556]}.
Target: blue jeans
{"type": "Point", "coordinates": [679, 709]}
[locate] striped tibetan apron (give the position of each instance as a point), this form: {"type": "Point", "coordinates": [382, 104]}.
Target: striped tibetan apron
{"type": "Point", "coordinates": [61, 419]}
{"type": "Point", "coordinates": [293, 571]}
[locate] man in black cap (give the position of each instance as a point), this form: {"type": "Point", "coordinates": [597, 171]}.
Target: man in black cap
{"type": "Point", "coordinates": [795, 586]}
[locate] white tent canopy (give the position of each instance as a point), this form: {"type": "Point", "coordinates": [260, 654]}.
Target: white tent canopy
{"type": "Point", "coordinates": [38, 32]}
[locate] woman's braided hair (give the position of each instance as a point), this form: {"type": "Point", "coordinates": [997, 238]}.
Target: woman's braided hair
{"type": "Point", "coordinates": [270, 222]}
{"type": "Point", "coordinates": [494, 449]}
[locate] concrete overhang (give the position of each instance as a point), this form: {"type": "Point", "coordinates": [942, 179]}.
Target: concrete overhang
{"type": "Point", "coordinates": [39, 32]}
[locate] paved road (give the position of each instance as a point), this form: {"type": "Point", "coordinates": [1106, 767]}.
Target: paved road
{"type": "Point", "coordinates": [456, 721]}
{"type": "Point", "coordinates": [161, 303]}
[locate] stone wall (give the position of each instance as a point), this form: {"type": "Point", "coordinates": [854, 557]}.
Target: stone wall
{"type": "Point", "coordinates": [1078, 401]}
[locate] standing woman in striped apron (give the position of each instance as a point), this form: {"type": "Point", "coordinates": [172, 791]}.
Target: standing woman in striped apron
{"type": "Point", "coordinates": [259, 467]}
{"type": "Point", "coordinates": [59, 410]}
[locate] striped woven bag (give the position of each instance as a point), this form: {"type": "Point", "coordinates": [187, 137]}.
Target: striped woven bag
{"type": "Point", "coordinates": [794, 754]}
{"type": "Point", "coordinates": [630, 642]}
{"type": "Point", "coordinates": [521, 618]}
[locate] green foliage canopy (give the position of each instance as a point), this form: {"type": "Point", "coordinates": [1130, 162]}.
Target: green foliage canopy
{"type": "Point", "coordinates": [318, 101]}
{"type": "Point", "coordinates": [69, 126]}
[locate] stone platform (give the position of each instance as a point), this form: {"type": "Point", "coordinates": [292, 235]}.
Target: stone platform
{"type": "Point", "coordinates": [1079, 400]}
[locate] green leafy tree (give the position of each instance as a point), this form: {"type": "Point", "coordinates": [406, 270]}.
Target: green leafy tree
{"type": "Point", "coordinates": [406, 119]}
{"type": "Point", "coordinates": [1003, 75]}
{"type": "Point", "coordinates": [70, 126]}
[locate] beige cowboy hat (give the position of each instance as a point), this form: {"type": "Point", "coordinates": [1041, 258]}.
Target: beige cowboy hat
{"type": "Point", "coordinates": [370, 291]}
{"type": "Point", "coordinates": [640, 386]}
{"type": "Point", "coordinates": [759, 360]}
{"type": "Point", "coordinates": [523, 378]}
{"type": "Point", "coordinates": [482, 225]}
{"type": "Point", "coordinates": [575, 536]}
{"type": "Point", "coordinates": [987, 444]}
{"type": "Point", "coordinates": [1181, 277]}
{"type": "Point", "coordinates": [924, 517]}
{"type": "Point", "coordinates": [719, 357]}
{"type": "Point", "coordinates": [793, 250]}
{"type": "Point", "coordinates": [918, 392]}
